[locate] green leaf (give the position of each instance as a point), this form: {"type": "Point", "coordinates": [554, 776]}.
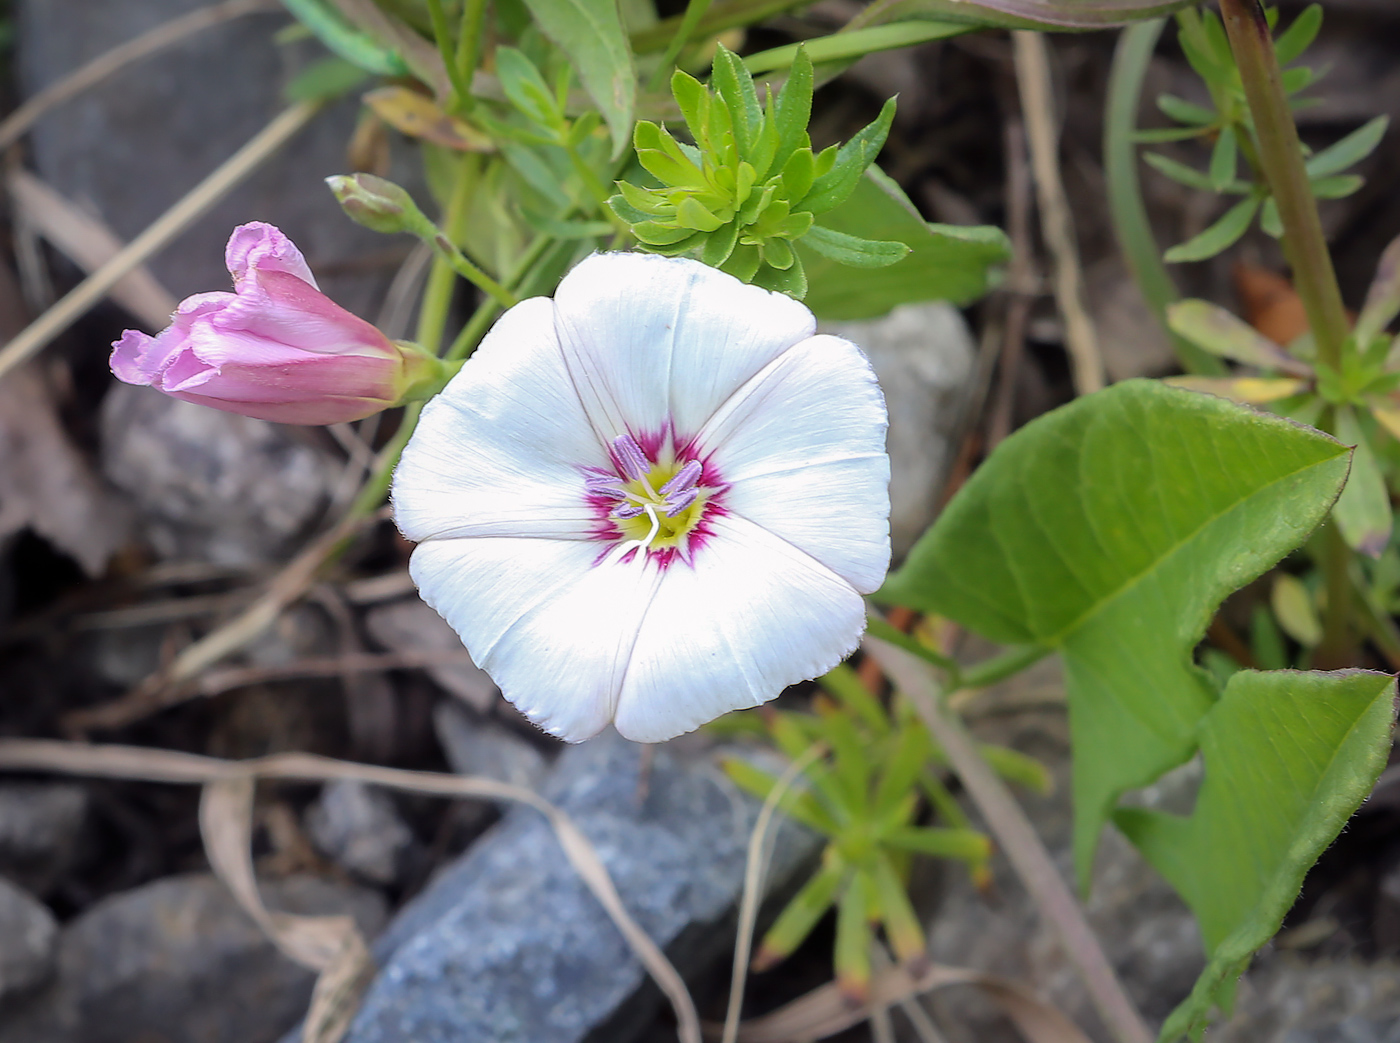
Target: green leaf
{"type": "Point", "coordinates": [332, 77]}
{"type": "Point", "coordinates": [1352, 149]}
{"type": "Point", "coordinates": [1363, 511]}
{"type": "Point", "coordinates": [856, 43]}
{"type": "Point", "coordinates": [946, 263]}
{"type": "Point", "coordinates": [1110, 529]}
{"type": "Point", "coordinates": [1383, 297]}
{"type": "Point", "coordinates": [1184, 175]}
{"type": "Point", "coordinates": [1270, 221]}
{"type": "Point", "coordinates": [1338, 187]}
{"type": "Point", "coordinates": [801, 915]}
{"type": "Point", "coordinates": [1298, 37]}
{"type": "Point", "coordinates": [735, 87]}
{"type": "Point", "coordinates": [1288, 758]}
{"type": "Point", "coordinates": [1184, 111]}
{"type": "Point", "coordinates": [1224, 160]}
{"type": "Point", "coordinates": [854, 251]}
{"type": "Point", "coordinates": [832, 188]}
{"type": "Point", "coordinates": [1292, 603]}
{"type": "Point", "coordinates": [1038, 14]}
{"type": "Point", "coordinates": [343, 39]}
{"type": "Point", "coordinates": [1220, 236]}
{"type": "Point", "coordinates": [791, 111]}
{"type": "Point", "coordinates": [1221, 333]}
{"type": "Point", "coordinates": [1167, 134]}
{"type": "Point", "coordinates": [590, 32]}
{"type": "Point", "coordinates": [526, 89]}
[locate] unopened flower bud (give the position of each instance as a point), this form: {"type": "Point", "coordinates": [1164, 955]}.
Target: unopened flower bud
{"type": "Point", "coordinates": [277, 349]}
{"type": "Point", "coordinates": [377, 203]}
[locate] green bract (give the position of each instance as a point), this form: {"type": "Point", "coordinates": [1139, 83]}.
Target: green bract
{"type": "Point", "coordinates": [750, 186]}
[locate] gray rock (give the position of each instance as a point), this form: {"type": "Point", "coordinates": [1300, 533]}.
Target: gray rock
{"type": "Point", "coordinates": [923, 355]}
{"type": "Point", "coordinates": [27, 935]}
{"type": "Point", "coordinates": [155, 129]}
{"type": "Point", "coordinates": [1286, 1000]}
{"type": "Point", "coordinates": [508, 945]}
{"type": "Point", "coordinates": [411, 626]}
{"type": "Point", "coordinates": [39, 827]}
{"type": "Point", "coordinates": [475, 747]}
{"type": "Point", "coordinates": [207, 484]}
{"type": "Point", "coordinates": [178, 961]}
{"type": "Point", "coordinates": [358, 827]}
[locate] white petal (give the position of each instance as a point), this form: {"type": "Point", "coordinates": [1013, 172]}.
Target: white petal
{"type": "Point", "coordinates": [552, 628]}
{"type": "Point", "coordinates": [499, 452]}
{"type": "Point", "coordinates": [803, 448]}
{"type": "Point", "coordinates": [753, 616]}
{"type": "Point", "coordinates": [651, 340]}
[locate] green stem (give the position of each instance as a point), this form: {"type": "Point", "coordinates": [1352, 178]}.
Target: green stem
{"type": "Point", "coordinates": [437, 294]}
{"type": "Point", "coordinates": [447, 250]}
{"type": "Point", "coordinates": [1130, 221]}
{"type": "Point", "coordinates": [694, 11]}
{"type": "Point", "coordinates": [727, 14]}
{"type": "Point", "coordinates": [444, 44]}
{"type": "Point", "coordinates": [1281, 156]}
{"type": "Point", "coordinates": [469, 47]}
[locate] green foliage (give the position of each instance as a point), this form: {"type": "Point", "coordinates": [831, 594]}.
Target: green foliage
{"type": "Point", "coordinates": [750, 187]}
{"type": "Point", "coordinates": [590, 32]}
{"type": "Point", "coordinates": [1228, 126]}
{"type": "Point", "coordinates": [867, 795]}
{"type": "Point", "coordinates": [1110, 529]}
{"type": "Point", "coordinates": [945, 262]}
{"type": "Point", "coordinates": [345, 40]}
{"type": "Point", "coordinates": [1288, 758]}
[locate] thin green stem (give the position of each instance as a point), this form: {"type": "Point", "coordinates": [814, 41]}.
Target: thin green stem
{"type": "Point", "coordinates": [469, 47]}
{"type": "Point", "coordinates": [1281, 156]}
{"type": "Point", "coordinates": [998, 668]}
{"type": "Point", "coordinates": [437, 294]}
{"type": "Point", "coordinates": [448, 251]}
{"type": "Point", "coordinates": [1130, 221]}
{"type": "Point", "coordinates": [444, 44]}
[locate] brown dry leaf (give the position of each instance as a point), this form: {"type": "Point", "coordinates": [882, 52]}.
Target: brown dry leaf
{"type": "Point", "coordinates": [418, 116]}
{"type": "Point", "coordinates": [89, 244]}
{"type": "Point", "coordinates": [331, 945]}
{"type": "Point", "coordinates": [825, 1011]}
{"type": "Point", "coordinates": [46, 484]}
{"type": "Point", "coordinates": [1270, 303]}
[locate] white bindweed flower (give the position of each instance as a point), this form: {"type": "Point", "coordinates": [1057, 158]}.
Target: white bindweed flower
{"type": "Point", "coordinates": [653, 499]}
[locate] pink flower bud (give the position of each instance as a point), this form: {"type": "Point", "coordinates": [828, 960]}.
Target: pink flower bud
{"type": "Point", "coordinates": [277, 349]}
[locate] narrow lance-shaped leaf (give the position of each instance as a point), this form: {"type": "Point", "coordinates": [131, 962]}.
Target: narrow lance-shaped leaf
{"type": "Point", "coordinates": [1292, 603]}
{"type": "Point", "coordinates": [590, 32]}
{"type": "Point", "coordinates": [1218, 237]}
{"type": "Point", "coordinates": [1353, 148]}
{"type": "Point", "coordinates": [852, 159]}
{"type": "Point", "coordinates": [1038, 14]}
{"type": "Point", "coordinates": [1288, 758]}
{"type": "Point", "coordinates": [853, 251]}
{"type": "Point", "coordinates": [1298, 37]}
{"type": "Point", "coordinates": [1363, 510]}
{"type": "Point", "coordinates": [1111, 529]}
{"type": "Point", "coordinates": [1383, 298]}
{"type": "Point", "coordinates": [946, 263]}
{"type": "Point", "coordinates": [735, 87]}
{"type": "Point", "coordinates": [1249, 391]}
{"type": "Point", "coordinates": [1221, 333]}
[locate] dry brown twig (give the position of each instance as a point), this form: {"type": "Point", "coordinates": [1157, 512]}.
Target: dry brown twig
{"type": "Point", "coordinates": [1057, 225]}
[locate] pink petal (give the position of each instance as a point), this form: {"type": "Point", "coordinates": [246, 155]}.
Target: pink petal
{"type": "Point", "coordinates": [262, 247]}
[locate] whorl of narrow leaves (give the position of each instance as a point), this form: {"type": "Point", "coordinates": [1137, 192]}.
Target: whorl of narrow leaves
{"type": "Point", "coordinates": [751, 185]}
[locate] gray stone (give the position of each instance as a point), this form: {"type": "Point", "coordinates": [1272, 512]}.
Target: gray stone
{"type": "Point", "coordinates": [358, 827]}
{"type": "Point", "coordinates": [177, 961]}
{"type": "Point", "coordinates": [923, 355]}
{"type": "Point", "coordinates": [153, 130]}
{"type": "Point", "coordinates": [411, 626]}
{"type": "Point", "coordinates": [507, 945]}
{"type": "Point", "coordinates": [39, 827]}
{"type": "Point", "coordinates": [27, 935]}
{"type": "Point", "coordinates": [207, 484]}
{"type": "Point", "coordinates": [1286, 1000]}
{"type": "Point", "coordinates": [476, 747]}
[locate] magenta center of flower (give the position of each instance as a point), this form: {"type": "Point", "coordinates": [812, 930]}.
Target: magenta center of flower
{"type": "Point", "coordinates": [652, 505]}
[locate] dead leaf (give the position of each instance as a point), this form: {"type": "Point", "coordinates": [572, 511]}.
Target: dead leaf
{"type": "Point", "coordinates": [46, 484]}
{"type": "Point", "coordinates": [88, 243]}
{"type": "Point", "coordinates": [416, 115]}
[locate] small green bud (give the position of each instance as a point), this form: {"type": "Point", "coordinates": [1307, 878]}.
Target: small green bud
{"type": "Point", "coordinates": [376, 203]}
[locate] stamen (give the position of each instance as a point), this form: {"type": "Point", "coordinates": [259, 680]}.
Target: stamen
{"type": "Point", "coordinates": [679, 502]}
{"type": "Point", "coordinates": [629, 510]}
{"type": "Point", "coordinates": [683, 479]}
{"type": "Point", "coordinates": [630, 457]}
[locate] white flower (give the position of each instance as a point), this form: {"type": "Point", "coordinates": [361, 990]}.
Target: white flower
{"type": "Point", "coordinates": [651, 500]}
